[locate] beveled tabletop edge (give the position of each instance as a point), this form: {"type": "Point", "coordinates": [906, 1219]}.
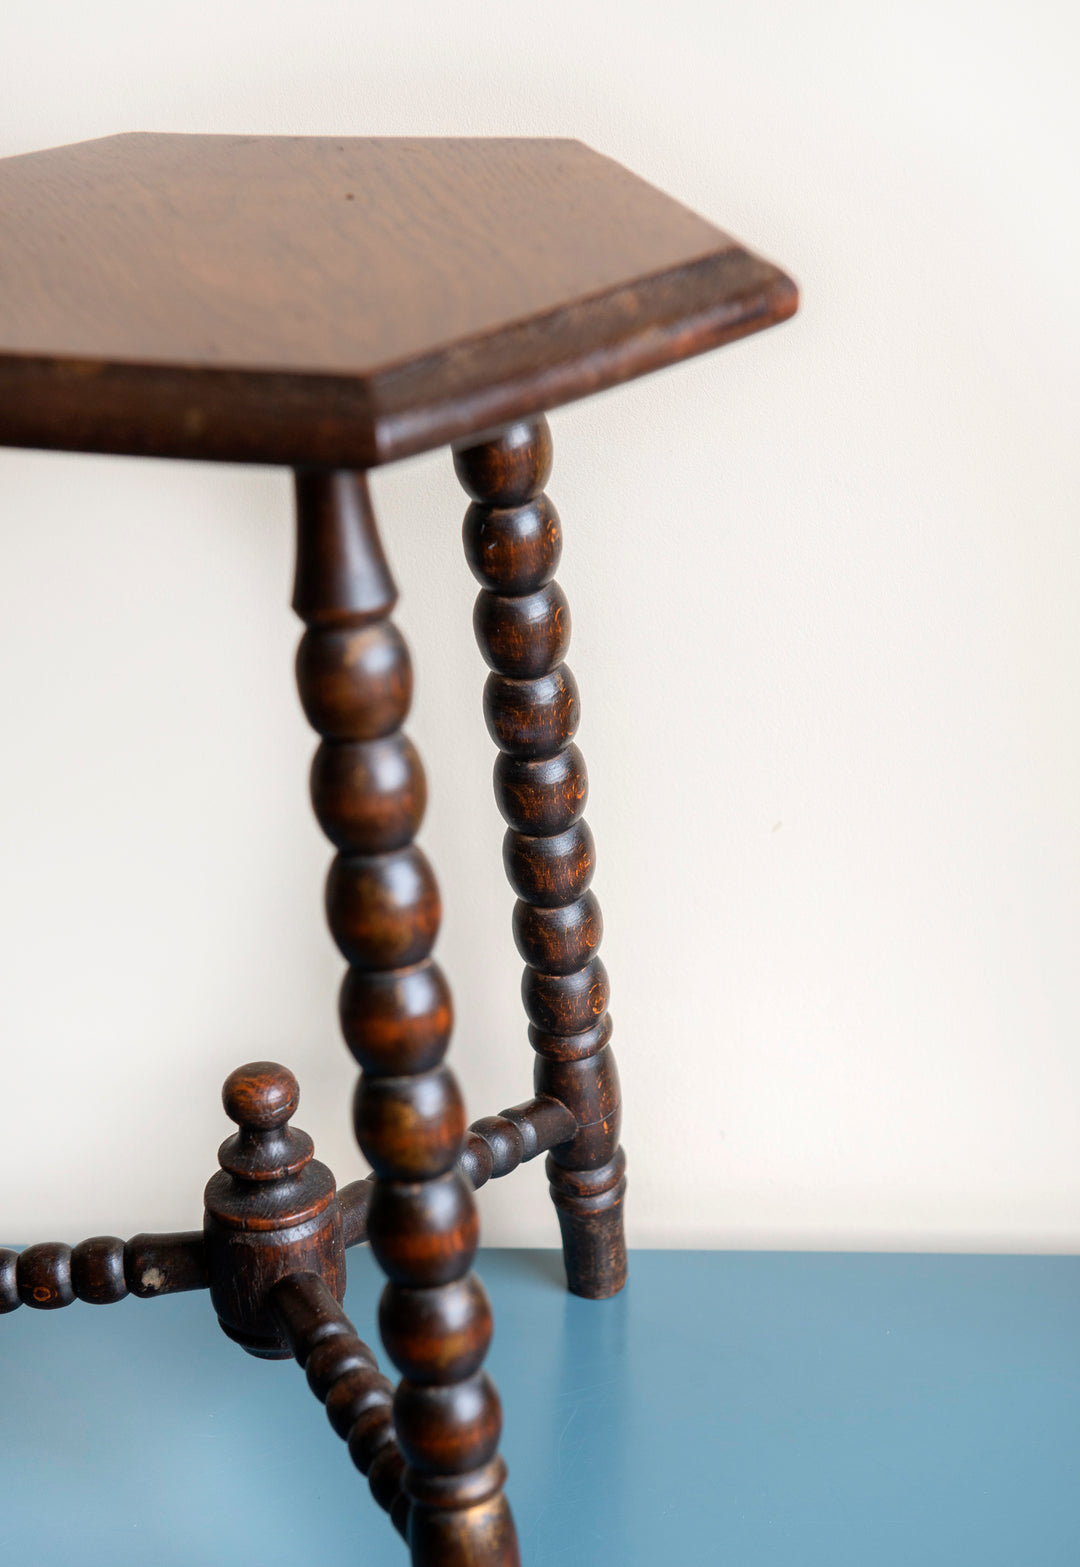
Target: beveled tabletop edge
{"type": "Point", "coordinates": [550, 361]}
{"type": "Point", "coordinates": [330, 420]}
{"type": "Point", "coordinates": [363, 415]}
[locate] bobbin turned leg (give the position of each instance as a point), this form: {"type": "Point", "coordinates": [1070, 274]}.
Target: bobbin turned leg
{"type": "Point", "coordinates": [522, 621]}
{"type": "Point", "coordinates": [383, 907]}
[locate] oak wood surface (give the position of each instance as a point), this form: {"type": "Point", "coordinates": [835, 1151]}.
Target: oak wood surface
{"type": "Point", "coordinates": [341, 301]}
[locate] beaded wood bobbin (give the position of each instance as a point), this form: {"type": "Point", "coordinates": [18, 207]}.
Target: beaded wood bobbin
{"type": "Point", "coordinates": [404, 303]}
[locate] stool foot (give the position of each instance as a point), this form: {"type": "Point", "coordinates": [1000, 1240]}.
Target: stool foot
{"type": "Point", "coordinates": [480, 1536]}
{"type": "Point", "coordinates": [590, 1208]}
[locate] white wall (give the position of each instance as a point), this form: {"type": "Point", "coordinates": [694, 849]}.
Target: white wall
{"type": "Point", "coordinates": [825, 588]}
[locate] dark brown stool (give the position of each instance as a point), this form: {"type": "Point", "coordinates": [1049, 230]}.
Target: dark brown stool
{"type": "Point", "coordinates": [330, 305]}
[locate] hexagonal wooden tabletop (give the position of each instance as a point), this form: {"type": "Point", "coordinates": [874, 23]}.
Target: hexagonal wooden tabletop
{"type": "Point", "coordinates": [341, 301]}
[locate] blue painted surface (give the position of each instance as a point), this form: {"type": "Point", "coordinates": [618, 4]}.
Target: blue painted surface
{"type": "Point", "coordinates": [749, 1408]}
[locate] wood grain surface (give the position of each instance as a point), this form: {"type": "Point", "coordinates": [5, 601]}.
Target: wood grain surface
{"type": "Point", "coordinates": [341, 301]}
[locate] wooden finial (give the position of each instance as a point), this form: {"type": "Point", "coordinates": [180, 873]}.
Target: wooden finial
{"type": "Point", "coordinates": [260, 1097]}
{"type": "Point", "coordinates": [271, 1209]}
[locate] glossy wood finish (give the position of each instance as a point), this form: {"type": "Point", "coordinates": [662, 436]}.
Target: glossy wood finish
{"type": "Point", "coordinates": [383, 908]}
{"type": "Point", "coordinates": [513, 540]}
{"type": "Point", "coordinates": [343, 1374]}
{"type": "Point", "coordinates": [271, 1209]}
{"type": "Point", "coordinates": [355, 1200]}
{"type": "Point", "coordinates": [101, 1270]}
{"type": "Point", "coordinates": [339, 300]}
{"type": "Point", "coordinates": [497, 1144]}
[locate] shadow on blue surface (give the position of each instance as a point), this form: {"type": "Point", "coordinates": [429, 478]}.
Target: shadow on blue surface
{"type": "Point", "coordinates": [751, 1408]}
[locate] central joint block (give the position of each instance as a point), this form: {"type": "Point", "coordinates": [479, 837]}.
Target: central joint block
{"type": "Point", "coordinates": [271, 1209]}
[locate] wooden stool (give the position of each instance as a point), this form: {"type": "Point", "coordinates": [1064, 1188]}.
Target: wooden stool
{"type": "Point", "coordinates": [329, 305]}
